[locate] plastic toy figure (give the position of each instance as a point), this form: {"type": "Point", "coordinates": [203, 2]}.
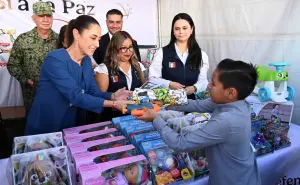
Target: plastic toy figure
{"type": "Point", "coordinates": [273, 84]}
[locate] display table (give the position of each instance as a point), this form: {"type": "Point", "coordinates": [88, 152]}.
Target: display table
{"type": "Point", "coordinates": [272, 167]}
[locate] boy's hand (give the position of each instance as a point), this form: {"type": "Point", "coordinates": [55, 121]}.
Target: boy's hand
{"type": "Point", "coordinates": [149, 115]}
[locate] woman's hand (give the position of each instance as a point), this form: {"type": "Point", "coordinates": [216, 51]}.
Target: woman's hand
{"type": "Point", "coordinates": [121, 94]}
{"type": "Point", "coordinates": [176, 85]}
{"type": "Point", "coordinates": [120, 104]}
{"type": "Point", "coordinates": [149, 115]}
{"type": "Point", "coordinates": [190, 90]}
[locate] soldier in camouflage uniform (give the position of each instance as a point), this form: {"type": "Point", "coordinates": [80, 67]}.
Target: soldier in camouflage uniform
{"type": "Point", "coordinates": [30, 49]}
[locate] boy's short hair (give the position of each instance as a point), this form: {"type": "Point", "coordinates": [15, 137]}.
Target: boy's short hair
{"type": "Point", "coordinates": [274, 106]}
{"type": "Point", "coordinates": [239, 75]}
{"type": "Point", "coordinates": [114, 12]}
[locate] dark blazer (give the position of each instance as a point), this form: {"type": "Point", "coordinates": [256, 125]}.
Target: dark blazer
{"type": "Point", "coordinates": [100, 52]}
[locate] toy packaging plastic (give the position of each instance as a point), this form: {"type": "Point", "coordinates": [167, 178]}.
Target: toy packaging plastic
{"type": "Point", "coordinates": [49, 166]}
{"type": "Point", "coordinates": [169, 114]}
{"type": "Point", "coordinates": [168, 167]}
{"type": "Point", "coordinates": [25, 144]}
{"type": "Point", "coordinates": [101, 156]}
{"type": "Point", "coordinates": [101, 144]}
{"type": "Point", "coordinates": [125, 124]}
{"type": "Point", "coordinates": [116, 121]}
{"type": "Point", "coordinates": [140, 138]}
{"type": "Point", "coordinates": [87, 128]}
{"type": "Point", "coordinates": [199, 163]}
{"type": "Point", "coordinates": [132, 170]}
{"type": "Point", "coordinates": [163, 96]}
{"type": "Point", "coordinates": [91, 136]}
{"type": "Point", "coordinates": [132, 130]}
{"type": "Point", "coordinates": [189, 122]}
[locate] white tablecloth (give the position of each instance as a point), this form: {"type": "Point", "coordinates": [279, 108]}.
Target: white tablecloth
{"type": "Point", "coordinates": [272, 167]}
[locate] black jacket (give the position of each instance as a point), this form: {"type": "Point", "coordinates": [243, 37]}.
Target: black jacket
{"type": "Point", "coordinates": [100, 52]}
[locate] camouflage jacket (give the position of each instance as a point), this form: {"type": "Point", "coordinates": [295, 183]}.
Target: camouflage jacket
{"type": "Point", "coordinates": [25, 61]}
{"type": "Point", "coordinates": [28, 53]}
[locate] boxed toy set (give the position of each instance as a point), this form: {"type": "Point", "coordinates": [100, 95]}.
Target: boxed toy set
{"type": "Point", "coordinates": [140, 138]}
{"type": "Point", "coordinates": [167, 166]}
{"type": "Point", "coordinates": [26, 144]}
{"type": "Point", "coordinates": [133, 130]}
{"type": "Point", "coordinates": [50, 166]}
{"type": "Point", "coordinates": [132, 170]}
{"type": "Point", "coordinates": [101, 156]}
{"type": "Point", "coordinates": [87, 128]}
{"type": "Point", "coordinates": [91, 136]}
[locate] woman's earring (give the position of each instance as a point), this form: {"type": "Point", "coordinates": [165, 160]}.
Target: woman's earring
{"type": "Point", "coordinates": [77, 42]}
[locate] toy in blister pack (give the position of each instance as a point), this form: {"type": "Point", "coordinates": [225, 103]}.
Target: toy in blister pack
{"type": "Point", "coordinates": [116, 121]}
{"type": "Point", "coordinates": [169, 114]}
{"type": "Point", "coordinates": [138, 109]}
{"type": "Point", "coordinates": [142, 96]}
{"type": "Point", "coordinates": [133, 170]}
{"type": "Point", "coordinates": [101, 144]}
{"type": "Point", "coordinates": [46, 167]}
{"type": "Point", "coordinates": [92, 136]}
{"type": "Point", "coordinates": [189, 122]}
{"type": "Point", "coordinates": [167, 166]}
{"type": "Point", "coordinates": [199, 163]}
{"type": "Point", "coordinates": [140, 138]}
{"type": "Point", "coordinates": [25, 144]}
{"type": "Point", "coordinates": [132, 130]}
{"type": "Point", "coordinates": [87, 128]}
{"type": "Point", "coordinates": [101, 156]}
{"type": "Point", "coordinates": [125, 124]}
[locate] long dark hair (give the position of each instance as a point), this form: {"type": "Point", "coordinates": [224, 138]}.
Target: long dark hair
{"type": "Point", "coordinates": [112, 59]}
{"type": "Point", "coordinates": [81, 23]}
{"type": "Point", "coordinates": [195, 56]}
{"type": "Point", "coordinates": [61, 36]}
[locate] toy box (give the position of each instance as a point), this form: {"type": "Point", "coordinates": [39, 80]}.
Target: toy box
{"type": "Point", "coordinates": [168, 167]}
{"type": "Point", "coordinates": [132, 170]}
{"type": "Point", "coordinates": [87, 128]}
{"type": "Point", "coordinates": [101, 144]}
{"type": "Point", "coordinates": [116, 121]}
{"type": "Point", "coordinates": [140, 138]}
{"type": "Point", "coordinates": [31, 143]}
{"type": "Point", "coordinates": [270, 110]}
{"type": "Point", "coordinates": [50, 166]}
{"type": "Point", "coordinates": [101, 156]}
{"type": "Point", "coordinates": [125, 124]}
{"type": "Point", "coordinates": [132, 130]}
{"type": "Point", "coordinates": [91, 136]}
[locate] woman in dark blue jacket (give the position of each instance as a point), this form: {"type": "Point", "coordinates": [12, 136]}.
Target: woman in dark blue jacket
{"type": "Point", "coordinates": [67, 86]}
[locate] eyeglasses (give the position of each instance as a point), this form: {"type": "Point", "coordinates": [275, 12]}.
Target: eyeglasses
{"type": "Point", "coordinates": [125, 49]}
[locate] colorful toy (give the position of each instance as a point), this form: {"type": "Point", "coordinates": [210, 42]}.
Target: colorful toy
{"type": "Point", "coordinates": [125, 124]}
{"type": "Point", "coordinates": [138, 110]}
{"type": "Point", "coordinates": [272, 85]}
{"type": "Point", "coordinates": [87, 128]}
{"type": "Point", "coordinates": [203, 95]}
{"type": "Point", "coordinates": [25, 144]}
{"type": "Point", "coordinates": [42, 167]}
{"type": "Point", "coordinates": [110, 154]}
{"type": "Point", "coordinates": [91, 136]}
{"type": "Point", "coordinates": [101, 144]}
{"type": "Point", "coordinates": [132, 170]}
{"type": "Point", "coordinates": [199, 163]}
{"type": "Point", "coordinates": [166, 163]}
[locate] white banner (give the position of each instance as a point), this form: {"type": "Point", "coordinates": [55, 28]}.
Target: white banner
{"type": "Point", "coordinates": [140, 16]}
